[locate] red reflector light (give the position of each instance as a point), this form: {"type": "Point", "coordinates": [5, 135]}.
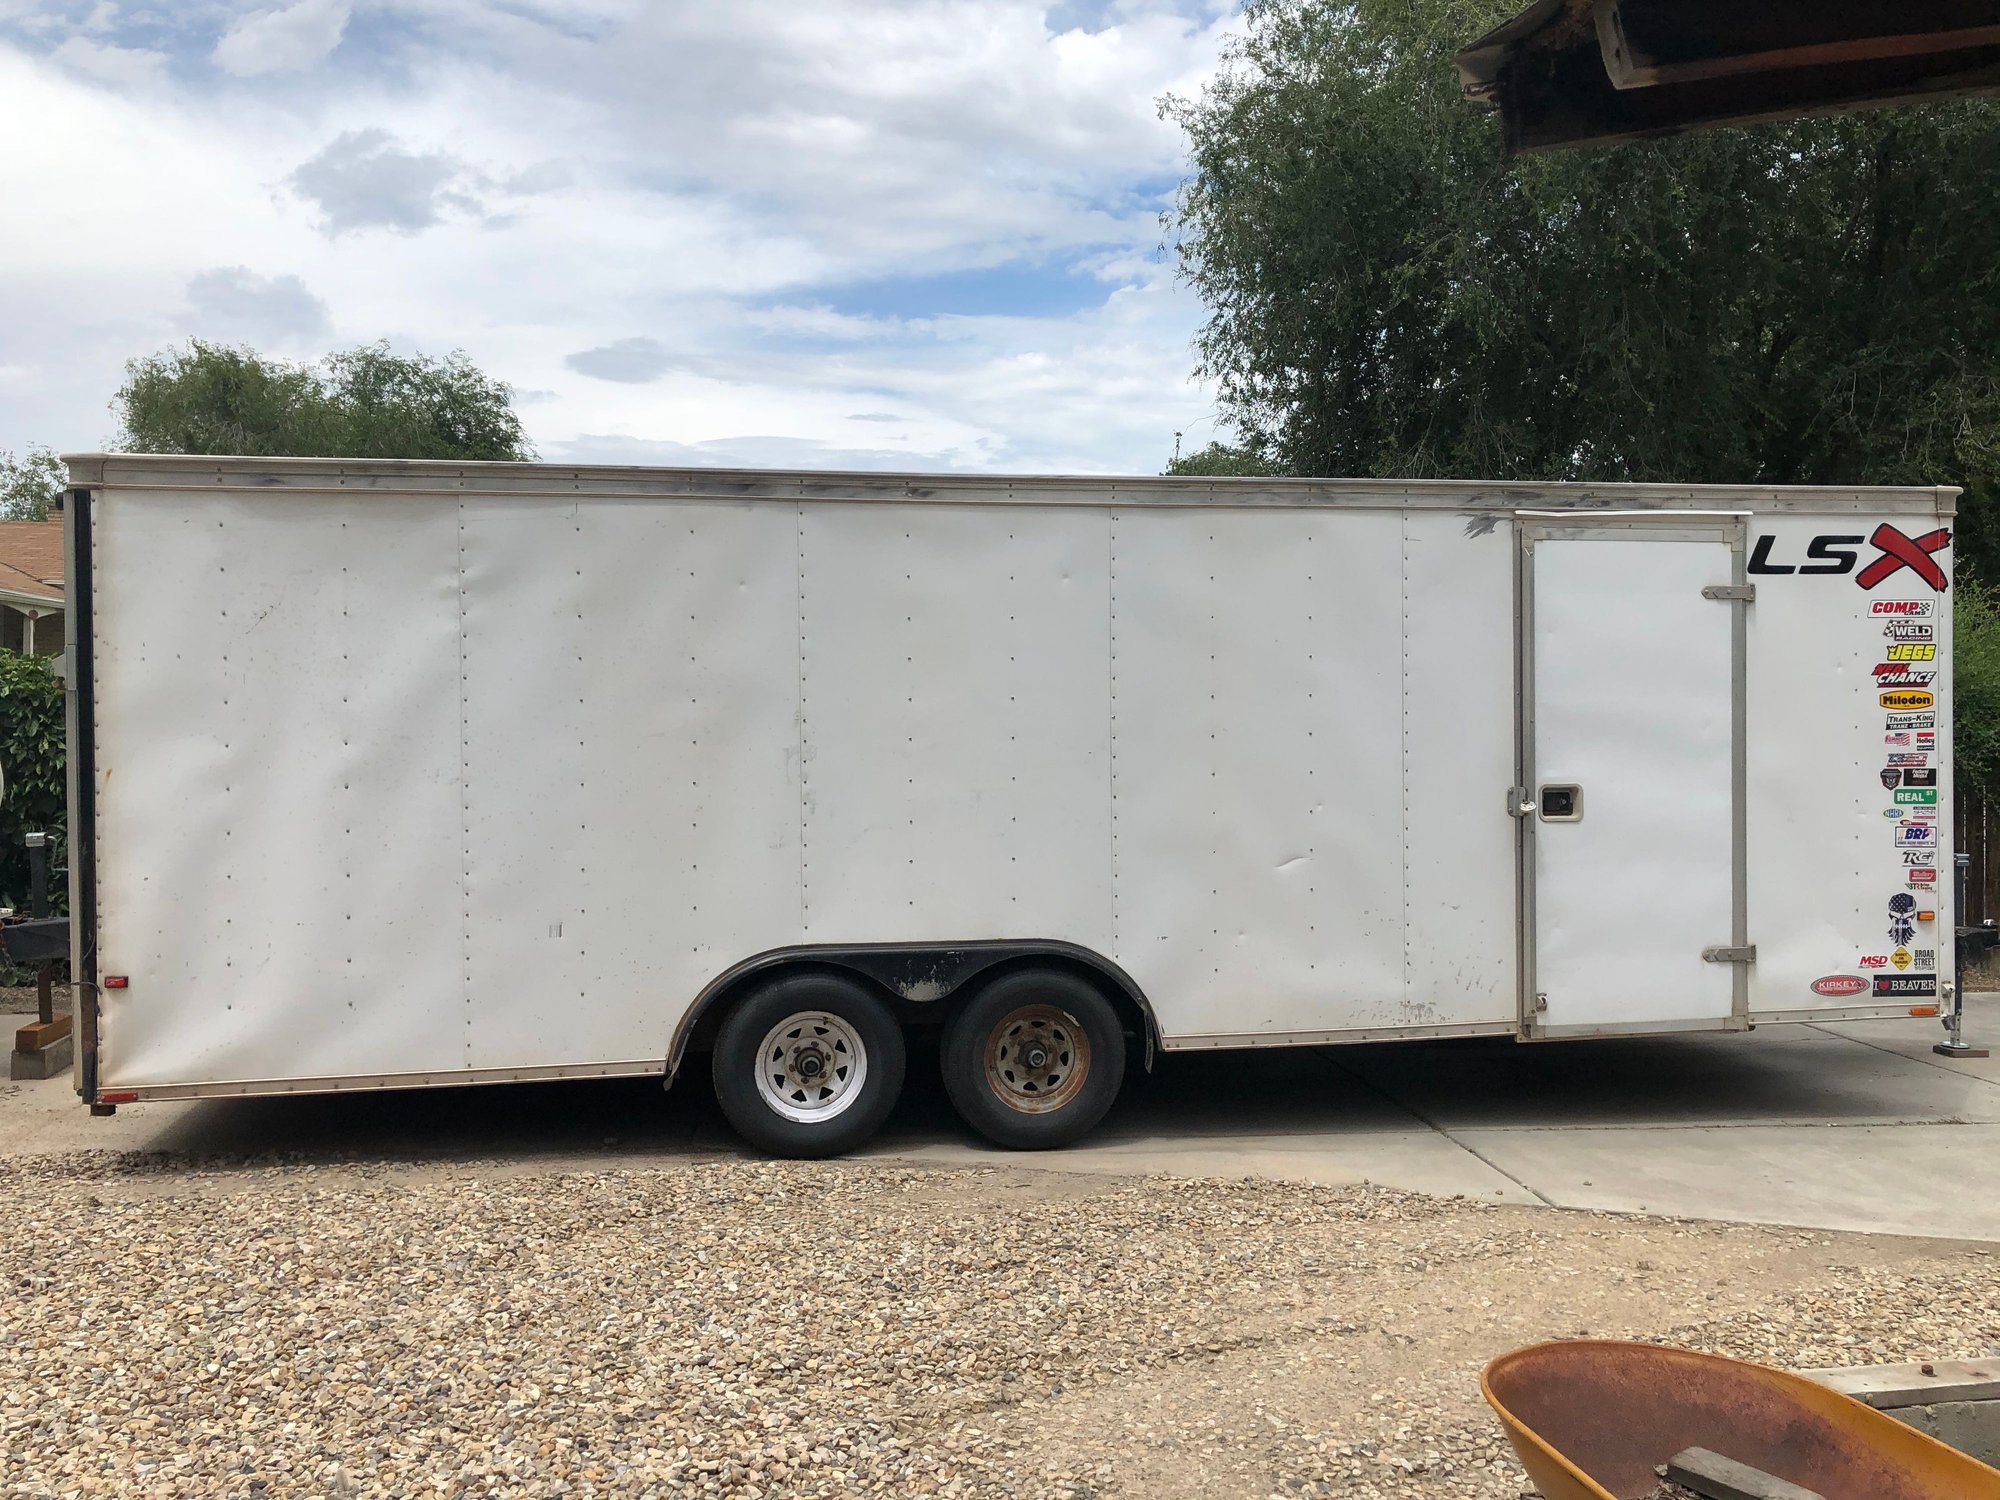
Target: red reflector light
{"type": "Point", "coordinates": [115, 981]}
{"type": "Point", "coordinates": [1923, 1010]}
{"type": "Point", "coordinates": [123, 1097]}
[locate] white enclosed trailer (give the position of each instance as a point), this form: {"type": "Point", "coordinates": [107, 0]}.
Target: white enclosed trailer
{"type": "Point", "coordinates": [410, 774]}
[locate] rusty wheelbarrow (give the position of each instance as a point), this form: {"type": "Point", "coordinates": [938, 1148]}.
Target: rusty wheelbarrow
{"type": "Point", "coordinates": [1591, 1418]}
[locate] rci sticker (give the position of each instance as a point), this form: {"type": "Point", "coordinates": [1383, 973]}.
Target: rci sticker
{"type": "Point", "coordinates": [1918, 795]}
{"type": "Point", "coordinates": [1907, 699]}
{"type": "Point", "coordinates": [1910, 651]}
{"type": "Point", "coordinates": [1915, 857]}
{"type": "Point", "coordinates": [1913, 609]}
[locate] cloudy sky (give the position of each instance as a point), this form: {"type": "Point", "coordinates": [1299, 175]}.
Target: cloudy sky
{"type": "Point", "coordinates": [813, 233]}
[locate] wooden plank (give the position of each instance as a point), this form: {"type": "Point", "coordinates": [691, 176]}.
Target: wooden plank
{"type": "Point", "coordinates": [39, 1034]}
{"type": "Point", "coordinates": [1719, 1478]}
{"type": "Point", "coordinates": [1890, 1386]}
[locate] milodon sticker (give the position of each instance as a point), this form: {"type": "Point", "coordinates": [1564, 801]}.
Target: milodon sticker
{"type": "Point", "coordinates": [1912, 609]}
{"type": "Point", "coordinates": [1840, 984]}
{"type": "Point", "coordinates": [1918, 794]}
{"type": "Point", "coordinates": [1908, 699]}
{"type": "Point", "coordinates": [1911, 650]}
{"type": "Point", "coordinates": [1897, 986]}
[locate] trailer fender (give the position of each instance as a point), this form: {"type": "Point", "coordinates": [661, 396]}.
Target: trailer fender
{"type": "Point", "coordinates": [918, 974]}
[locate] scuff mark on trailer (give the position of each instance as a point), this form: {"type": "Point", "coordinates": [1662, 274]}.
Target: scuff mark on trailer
{"type": "Point", "coordinates": [1482, 524]}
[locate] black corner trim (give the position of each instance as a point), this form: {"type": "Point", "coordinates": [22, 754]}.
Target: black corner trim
{"type": "Point", "coordinates": [82, 670]}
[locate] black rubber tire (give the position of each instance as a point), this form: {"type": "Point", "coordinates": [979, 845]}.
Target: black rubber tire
{"type": "Point", "coordinates": [735, 1063]}
{"type": "Point", "coordinates": [982, 1105]}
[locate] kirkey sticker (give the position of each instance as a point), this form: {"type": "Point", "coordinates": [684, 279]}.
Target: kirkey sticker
{"type": "Point", "coordinates": [1907, 699]}
{"type": "Point", "coordinates": [1900, 986]}
{"type": "Point", "coordinates": [1909, 609]}
{"type": "Point", "coordinates": [1840, 984]}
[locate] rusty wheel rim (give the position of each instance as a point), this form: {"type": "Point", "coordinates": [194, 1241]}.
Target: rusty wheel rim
{"type": "Point", "coordinates": [1037, 1059]}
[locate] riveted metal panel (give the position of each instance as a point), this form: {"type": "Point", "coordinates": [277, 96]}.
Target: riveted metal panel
{"type": "Point", "coordinates": [277, 712]}
{"type": "Point", "coordinates": [955, 729]}
{"type": "Point", "coordinates": [1259, 768]}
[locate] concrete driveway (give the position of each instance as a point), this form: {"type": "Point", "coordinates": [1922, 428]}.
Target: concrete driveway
{"type": "Point", "coordinates": [1857, 1126]}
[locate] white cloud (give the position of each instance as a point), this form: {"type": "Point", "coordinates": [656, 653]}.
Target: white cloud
{"type": "Point", "coordinates": [235, 304]}
{"type": "Point", "coordinates": [760, 216]}
{"type": "Point", "coordinates": [122, 67]}
{"type": "Point", "coordinates": [287, 40]}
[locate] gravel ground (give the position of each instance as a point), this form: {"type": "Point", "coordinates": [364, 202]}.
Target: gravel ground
{"type": "Point", "coordinates": [741, 1328]}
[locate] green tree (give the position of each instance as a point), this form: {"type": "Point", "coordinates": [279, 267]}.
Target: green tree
{"type": "Point", "coordinates": [364, 403]}
{"type": "Point", "coordinates": [29, 484]}
{"type": "Point", "coordinates": [1221, 459]}
{"type": "Point", "coordinates": [31, 750]}
{"type": "Point", "coordinates": [1389, 294]}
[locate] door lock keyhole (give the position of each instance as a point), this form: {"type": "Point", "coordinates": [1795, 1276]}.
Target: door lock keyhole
{"type": "Point", "coordinates": [1562, 802]}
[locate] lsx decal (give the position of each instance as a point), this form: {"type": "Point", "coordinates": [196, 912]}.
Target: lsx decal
{"type": "Point", "coordinates": [1839, 554]}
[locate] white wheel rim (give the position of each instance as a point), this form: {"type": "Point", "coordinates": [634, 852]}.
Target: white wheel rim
{"type": "Point", "coordinates": [811, 1067]}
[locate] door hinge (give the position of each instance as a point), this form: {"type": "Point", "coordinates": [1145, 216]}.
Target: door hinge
{"type": "Point", "coordinates": [1744, 955]}
{"type": "Point", "coordinates": [1519, 804]}
{"type": "Point", "coordinates": [1541, 1003]}
{"type": "Point", "coordinates": [1729, 592]}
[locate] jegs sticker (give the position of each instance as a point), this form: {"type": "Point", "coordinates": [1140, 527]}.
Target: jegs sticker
{"type": "Point", "coordinates": [1912, 651]}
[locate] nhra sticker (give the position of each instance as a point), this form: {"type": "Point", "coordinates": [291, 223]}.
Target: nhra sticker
{"type": "Point", "coordinates": [1840, 984]}
{"type": "Point", "coordinates": [1913, 609]}
{"type": "Point", "coordinates": [1899, 985]}
{"type": "Point", "coordinates": [1907, 699]}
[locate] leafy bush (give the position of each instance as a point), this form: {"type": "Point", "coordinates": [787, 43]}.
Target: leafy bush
{"type": "Point", "coordinates": [31, 752]}
{"type": "Point", "coordinates": [1975, 685]}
